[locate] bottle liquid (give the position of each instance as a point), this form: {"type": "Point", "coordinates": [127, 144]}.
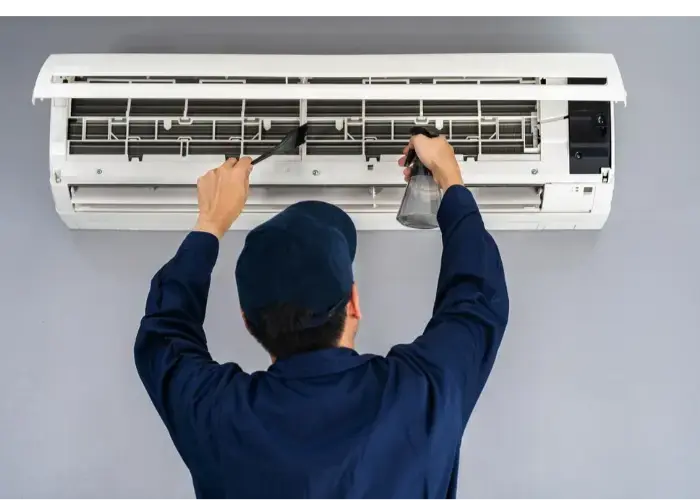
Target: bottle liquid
{"type": "Point", "coordinates": [421, 200]}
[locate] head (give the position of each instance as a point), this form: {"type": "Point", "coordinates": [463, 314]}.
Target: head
{"type": "Point", "coordinates": [295, 280]}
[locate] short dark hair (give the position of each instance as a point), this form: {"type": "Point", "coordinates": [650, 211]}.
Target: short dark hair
{"type": "Point", "coordinates": [279, 329]}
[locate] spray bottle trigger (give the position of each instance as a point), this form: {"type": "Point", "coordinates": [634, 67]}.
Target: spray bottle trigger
{"type": "Point", "coordinates": [426, 130]}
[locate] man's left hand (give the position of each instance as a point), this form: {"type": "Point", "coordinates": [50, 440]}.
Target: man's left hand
{"type": "Point", "coordinates": [222, 193]}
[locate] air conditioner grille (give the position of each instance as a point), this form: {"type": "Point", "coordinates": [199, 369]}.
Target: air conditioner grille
{"type": "Point", "coordinates": [140, 127]}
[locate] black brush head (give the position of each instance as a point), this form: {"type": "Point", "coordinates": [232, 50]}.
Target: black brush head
{"type": "Point", "coordinates": [302, 131]}
{"type": "Point", "coordinates": [294, 139]}
{"type": "Point", "coordinates": [289, 142]}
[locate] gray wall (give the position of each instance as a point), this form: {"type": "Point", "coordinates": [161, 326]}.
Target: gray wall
{"type": "Point", "coordinates": [596, 389]}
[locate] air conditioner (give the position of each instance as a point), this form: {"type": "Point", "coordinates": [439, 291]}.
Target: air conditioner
{"type": "Point", "coordinates": [131, 133]}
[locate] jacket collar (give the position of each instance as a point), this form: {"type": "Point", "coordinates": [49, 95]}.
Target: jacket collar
{"type": "Point", "coordinates": [317, 363]}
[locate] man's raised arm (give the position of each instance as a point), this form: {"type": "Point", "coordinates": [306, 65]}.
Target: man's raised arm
{"type": "Point", "coordinates": [170, 351]}
{"type": "Point", "coordinates": [460, 343]}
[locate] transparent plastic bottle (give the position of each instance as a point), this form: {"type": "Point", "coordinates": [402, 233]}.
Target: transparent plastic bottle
{"type": "Point", "coordinates": [421, 201]}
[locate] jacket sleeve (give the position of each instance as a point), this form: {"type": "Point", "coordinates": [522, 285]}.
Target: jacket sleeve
{"type": "Point", "coordinates": [170, 351]}
{"type": "Point", "coordinates": [459, 345]}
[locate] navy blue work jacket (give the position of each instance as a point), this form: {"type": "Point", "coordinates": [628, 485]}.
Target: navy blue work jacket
{"type": "Point", "coordinates": [332, 423]}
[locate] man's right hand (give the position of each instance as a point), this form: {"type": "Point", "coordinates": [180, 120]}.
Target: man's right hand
{"type": "Point", "coordinates": [222, 193]}
{"type": "Point", "coordinates": [436, 154]}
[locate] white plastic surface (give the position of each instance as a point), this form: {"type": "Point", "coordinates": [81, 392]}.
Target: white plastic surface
{"type": "Point", "coordinates": [56, 78]}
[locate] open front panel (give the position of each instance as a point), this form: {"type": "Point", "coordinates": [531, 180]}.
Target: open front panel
{"type": "Point", "coordinates": [402, 77]}
{"type": "Point", "coordinates": [354, 199]}
{"type": "Point", "coordinates": [237, 127]}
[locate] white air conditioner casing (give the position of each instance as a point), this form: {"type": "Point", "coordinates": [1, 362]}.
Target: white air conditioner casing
{"type": "Point", "coordinates": [131, 133]}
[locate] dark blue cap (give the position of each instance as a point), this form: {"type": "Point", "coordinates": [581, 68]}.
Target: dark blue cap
{"type": "Point", "coordinates": [302, 256]}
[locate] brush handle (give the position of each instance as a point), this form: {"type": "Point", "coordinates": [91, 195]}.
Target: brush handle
{"type": "Point", "coordinates": [265, 155]}
{"type": "Point", "coordinates": [270, 152]}
{"type": "Point", "coordinates": [299, 137]}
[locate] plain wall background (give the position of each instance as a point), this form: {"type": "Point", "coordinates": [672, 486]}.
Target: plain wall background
{"type": "Point", "coordinates": [596, 389]}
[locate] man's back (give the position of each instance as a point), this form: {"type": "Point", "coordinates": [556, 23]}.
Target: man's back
{"type": "Point", "coordinates": [331, 424]}
{"type": "Point", "coordinates": [328, 422]}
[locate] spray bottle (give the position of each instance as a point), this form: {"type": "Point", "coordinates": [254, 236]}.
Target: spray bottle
{"type": "Point", "coordinates": [422, 197]}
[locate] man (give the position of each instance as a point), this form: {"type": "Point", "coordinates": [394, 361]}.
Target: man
{"type": "Point", "coordinates": [323, 420]}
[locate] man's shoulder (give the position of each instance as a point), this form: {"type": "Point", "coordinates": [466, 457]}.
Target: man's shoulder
{"type": "Point", "coordinates": [391, 363]}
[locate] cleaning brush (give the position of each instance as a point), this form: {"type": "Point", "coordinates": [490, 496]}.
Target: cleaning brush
{"type": "Point", "coordinates": [289, 142]}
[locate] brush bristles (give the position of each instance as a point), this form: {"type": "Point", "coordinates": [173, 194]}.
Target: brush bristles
{"type": "Point", "coordinates": [301, 135]}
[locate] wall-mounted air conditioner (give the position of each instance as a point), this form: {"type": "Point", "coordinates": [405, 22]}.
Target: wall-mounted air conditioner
{"type": "Point", "coordinates": [131, 133]}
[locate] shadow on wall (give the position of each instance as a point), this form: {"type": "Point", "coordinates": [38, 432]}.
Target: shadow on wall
{"type": "Point", "coordinates": [298, 43]}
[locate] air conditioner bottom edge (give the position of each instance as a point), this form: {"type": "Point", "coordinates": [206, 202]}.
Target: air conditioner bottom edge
{"type": "Point", "coordinates": [174, 221]}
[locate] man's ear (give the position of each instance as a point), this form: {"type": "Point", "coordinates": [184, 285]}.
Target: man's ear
{"type": "Point", "coordinates": [245, 322]}
{"type": "Point", "coordinates": [353, 307]}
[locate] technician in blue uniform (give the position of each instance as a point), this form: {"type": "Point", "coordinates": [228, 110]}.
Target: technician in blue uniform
{"type": "Point", "coordinates": [323, 420]}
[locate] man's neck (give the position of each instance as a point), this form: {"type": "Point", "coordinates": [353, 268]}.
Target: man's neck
{"type": "Point", "coordinates": [346, 341]}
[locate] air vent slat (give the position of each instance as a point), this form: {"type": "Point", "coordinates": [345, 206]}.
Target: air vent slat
{"type": "Point", "coordinates": [334, 108]}
{"type": "Point", "coordinates": [98, 107]}
{"type": "Point", "coordinates": [262, 197]}
{"type": "Point", "coordinates": [157, 107]}
{"type": "Point", "coordinates": [392, 108]}
{"type": "Point", "coordinates": [214, 107]}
